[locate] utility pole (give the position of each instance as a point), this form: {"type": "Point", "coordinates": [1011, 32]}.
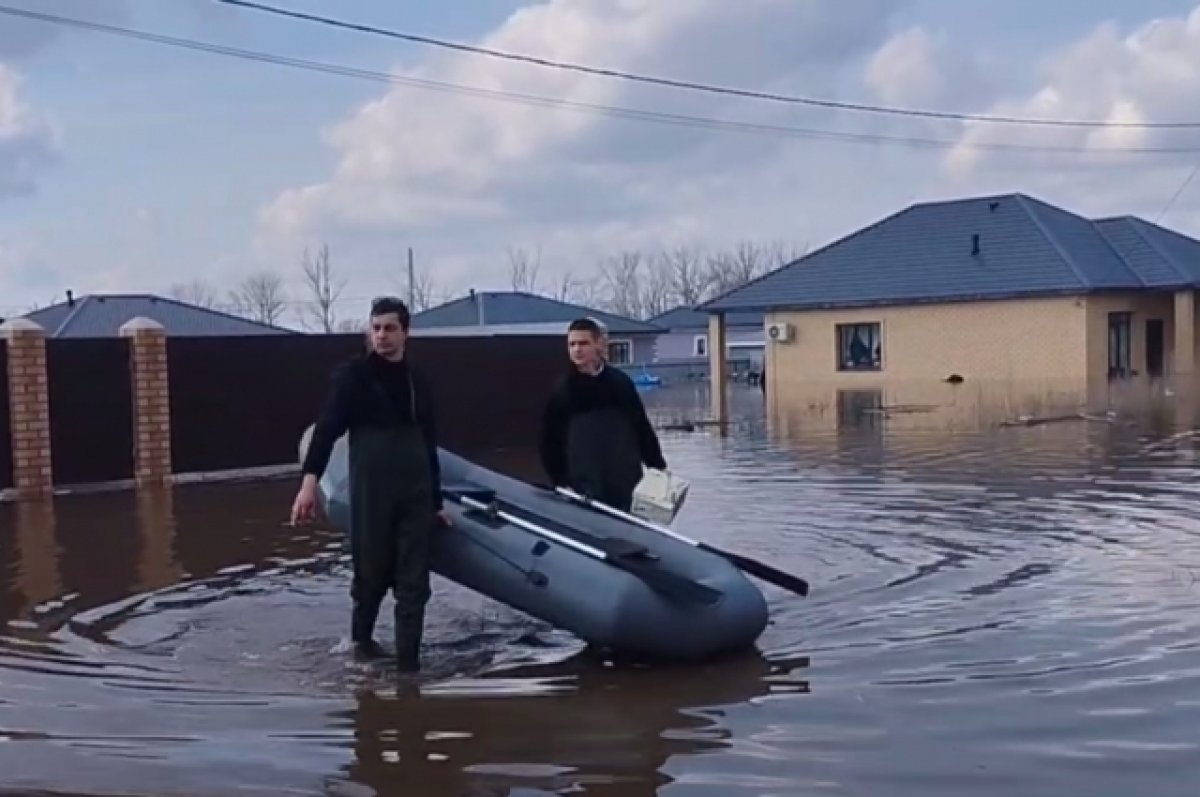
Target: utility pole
{"type": "Point", "coordinates": [412, 283]}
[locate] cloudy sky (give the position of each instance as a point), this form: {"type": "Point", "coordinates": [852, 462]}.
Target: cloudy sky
{"type": "Point", "coordinates": [128, 165]}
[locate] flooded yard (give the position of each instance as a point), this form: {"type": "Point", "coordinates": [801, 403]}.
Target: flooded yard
{"type": "Point", "coordinates": [999, 612]}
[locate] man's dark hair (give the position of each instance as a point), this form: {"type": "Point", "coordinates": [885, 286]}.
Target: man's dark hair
{"type": "Point", "coordinates": [586, 325]}
{"type": "Point", "coordinates": [390, 304]}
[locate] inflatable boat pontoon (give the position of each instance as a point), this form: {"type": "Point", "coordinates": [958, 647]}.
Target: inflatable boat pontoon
{"type": "Point", "coordinates": [616, 582]}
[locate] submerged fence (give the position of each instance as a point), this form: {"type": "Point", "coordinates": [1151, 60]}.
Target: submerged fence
{"type": "Point", "coordinates": [144, 406]}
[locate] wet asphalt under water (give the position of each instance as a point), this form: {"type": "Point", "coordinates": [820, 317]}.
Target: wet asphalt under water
{"type": "Point", "coordinates": [1005, 612]}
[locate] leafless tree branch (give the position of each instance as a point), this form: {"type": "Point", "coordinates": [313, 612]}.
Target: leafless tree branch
{"type": "Point", "coordinates": [621, 275]}
{"type": "Point", "coordinates": [324, 288]}
{"type": "Point", "coordinates": [424, 290]}
{"type": "Point", "coordinates": [524, 269]}
{"type": "Point", "coordinates": [260, 297]}
{"type": "Point", "coordinates": [197, 292]}
{"type": "Point", "coordinates": [688, 278]}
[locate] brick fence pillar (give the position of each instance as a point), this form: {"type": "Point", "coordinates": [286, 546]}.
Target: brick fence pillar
{"type": "Point", "coordinates": [151, 401]}
{"type": "Point", "coordinates": [29, 409]}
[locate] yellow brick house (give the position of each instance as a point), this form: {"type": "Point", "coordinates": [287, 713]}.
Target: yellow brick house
{"type": "Point", "coordinates": [997, 300]}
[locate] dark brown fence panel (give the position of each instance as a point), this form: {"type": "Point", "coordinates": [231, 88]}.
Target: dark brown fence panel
{"type": "Point", "coordinates": [244, 402]}
{"type": "Point", "coordinates": [91, 409]}
{"type": "Point", "coordinates": [490, 391]}
{"type": "Point", "coordinates": [6, 465]}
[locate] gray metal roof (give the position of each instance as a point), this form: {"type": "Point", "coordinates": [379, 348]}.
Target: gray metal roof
{"type": "Point", "coordinates": [491, 308]}
{"type": "Point", "coordinates": [1163, 258]}
{"type": "Point", "coordinates": [101, 316]}
{"type": "Point", "coordinates": [684, 317]}
{"type": "Point", "coordinates": [925, 253]}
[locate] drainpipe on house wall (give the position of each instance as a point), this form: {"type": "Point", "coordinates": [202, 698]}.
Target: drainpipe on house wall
{"type": "Point", "coordinates": [718, 369]}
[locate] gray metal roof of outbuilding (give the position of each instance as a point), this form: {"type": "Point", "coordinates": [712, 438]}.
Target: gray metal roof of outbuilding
{"type": "Point", "coordinates": [101, 316]}
{"type": "Point", "coordinates": [518, 307]}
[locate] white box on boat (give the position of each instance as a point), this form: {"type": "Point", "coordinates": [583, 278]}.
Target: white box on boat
{"type": "Point", "coordinates": [659, 496]}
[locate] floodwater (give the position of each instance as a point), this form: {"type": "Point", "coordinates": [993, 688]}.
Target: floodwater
{"type": "Point", "coordinates": [1002, 612]}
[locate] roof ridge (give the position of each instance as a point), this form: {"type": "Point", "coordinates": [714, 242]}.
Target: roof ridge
{"type": "Point", "coordinates": [1136, 225]}
{"type": "Point", "coordinates": [971, 199]}
{"type": "Point", "coordinates": [212, 311]}
{"type": "Point", "coordinates": [72, 315]}
{"type": "Point", "coordinates": [1025, 204]}
{"type": "Point", "coordinates": [543, 299]}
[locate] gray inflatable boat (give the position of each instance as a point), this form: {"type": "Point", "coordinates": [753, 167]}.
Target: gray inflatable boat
{"type": "Point", "coordinates": [620, 584]}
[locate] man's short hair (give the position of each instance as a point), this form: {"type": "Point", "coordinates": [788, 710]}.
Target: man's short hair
{"type": "Point", "coordinates": [588, 324]}
{"type": "Point", "coordinates": [390, 304]}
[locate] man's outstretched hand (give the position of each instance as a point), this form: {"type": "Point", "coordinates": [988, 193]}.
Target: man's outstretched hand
{"type": "Point", "coordinates": [304, 508]}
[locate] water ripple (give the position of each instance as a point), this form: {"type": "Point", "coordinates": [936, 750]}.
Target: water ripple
{"type": "Point", "coordinates": [1001, 612]}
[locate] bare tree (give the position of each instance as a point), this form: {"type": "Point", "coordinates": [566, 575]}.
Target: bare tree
{"type": "Point", "coordinates": [688, 278]}
{"type": "Point", "coordinates": [325, 290]}
{"type": "Point", "coordinates": [524, 268]}
{"type": "Point", "coordinates": [260, 297]}
{"type": "Point", "coordinates": [781, 253]}
{"type": "Point", "coordinates": [423, 290]}
{"type": "Point", "coordinates": [622, 277]}
{"type": "Point", "coordinates": [577, 290]}
{"type": "Point", "coordinates": [657, 289]}
{"type": "Point", "coordinates": [197, 292]}
{"type": "Point", "coordinates": [732, 269]}
{"type": "Point", "coordinates": [567, 286]}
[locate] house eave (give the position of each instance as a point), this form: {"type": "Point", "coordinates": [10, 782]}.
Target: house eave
{"type": "Point", "coordinates": [901, 301]}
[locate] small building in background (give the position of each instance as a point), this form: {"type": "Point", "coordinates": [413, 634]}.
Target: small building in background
{"type": "Point", "coordinates": [486, 313]}
{"type": "Point", "coordinates": [681, 350]}
{"type": "Point", "coordinates": [101, 316]}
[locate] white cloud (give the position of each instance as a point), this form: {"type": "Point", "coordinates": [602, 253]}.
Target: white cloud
{"type": "Point", "coordinates": [917, 69]}
{"type": "Point", "coordinates": [467, 177]}
{"type": "Point", "coordinates": [462, 178]}
{"type": "Point", "coordinates": [27, 140]}
{"type": "Point", "coordinates": [1151, 74]}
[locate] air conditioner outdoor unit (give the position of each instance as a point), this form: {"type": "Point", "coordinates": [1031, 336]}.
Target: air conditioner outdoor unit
{"type": "Point", "coordinates": [779, 332]}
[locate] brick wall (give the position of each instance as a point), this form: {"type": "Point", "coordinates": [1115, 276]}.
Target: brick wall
{"type": "Point", "coordinates": [151, 401]}
{"type": "Point", "coordinates": [29, 409]}
{"type": "Point", "coordinates": [1026, 356]}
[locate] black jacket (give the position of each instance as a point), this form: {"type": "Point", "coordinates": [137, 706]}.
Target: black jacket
{"type": "Point", "coordinates": [578, 394]}
{"type": "Point", "coordinates": [370, 391]}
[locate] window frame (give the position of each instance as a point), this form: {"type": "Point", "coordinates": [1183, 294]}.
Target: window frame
{"type": "Point", "coordinates": [843, 335]}
{"type": "Point", "coordinates": [627, 343]}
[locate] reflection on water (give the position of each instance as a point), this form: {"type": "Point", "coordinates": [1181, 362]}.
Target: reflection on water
{"type": "Point", "coordinates": [995, 611]}
{"type": "Point", "coordinates": [957, 403]}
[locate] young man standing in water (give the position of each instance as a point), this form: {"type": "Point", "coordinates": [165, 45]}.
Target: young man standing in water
{"type": "Point", "coordinates": [395, 480]}
{"type": "Point", "coordinates": [595, 432]}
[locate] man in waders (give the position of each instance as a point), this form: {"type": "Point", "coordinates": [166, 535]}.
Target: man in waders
{"type": "Point", "coordinates": [595, 432]}
{"type": "Point", "coordinates": [395, 480]}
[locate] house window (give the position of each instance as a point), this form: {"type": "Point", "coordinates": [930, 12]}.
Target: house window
{"type": "Point", "coordinates": [1120, 333]}
{"type": "Point", "coordinates": [700, 346]}
{"type": "Point", "coordinates": [859, 347]}
{"type": "Point", "coordinates": [620, 352]}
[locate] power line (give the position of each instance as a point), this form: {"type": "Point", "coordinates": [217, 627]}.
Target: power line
{"type": "Point", "coordinates": [614, 111]}
{"type": "Point", "coordinates": [693, 86]}
{"type": "Point", "coordinates": [1178, 192]}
